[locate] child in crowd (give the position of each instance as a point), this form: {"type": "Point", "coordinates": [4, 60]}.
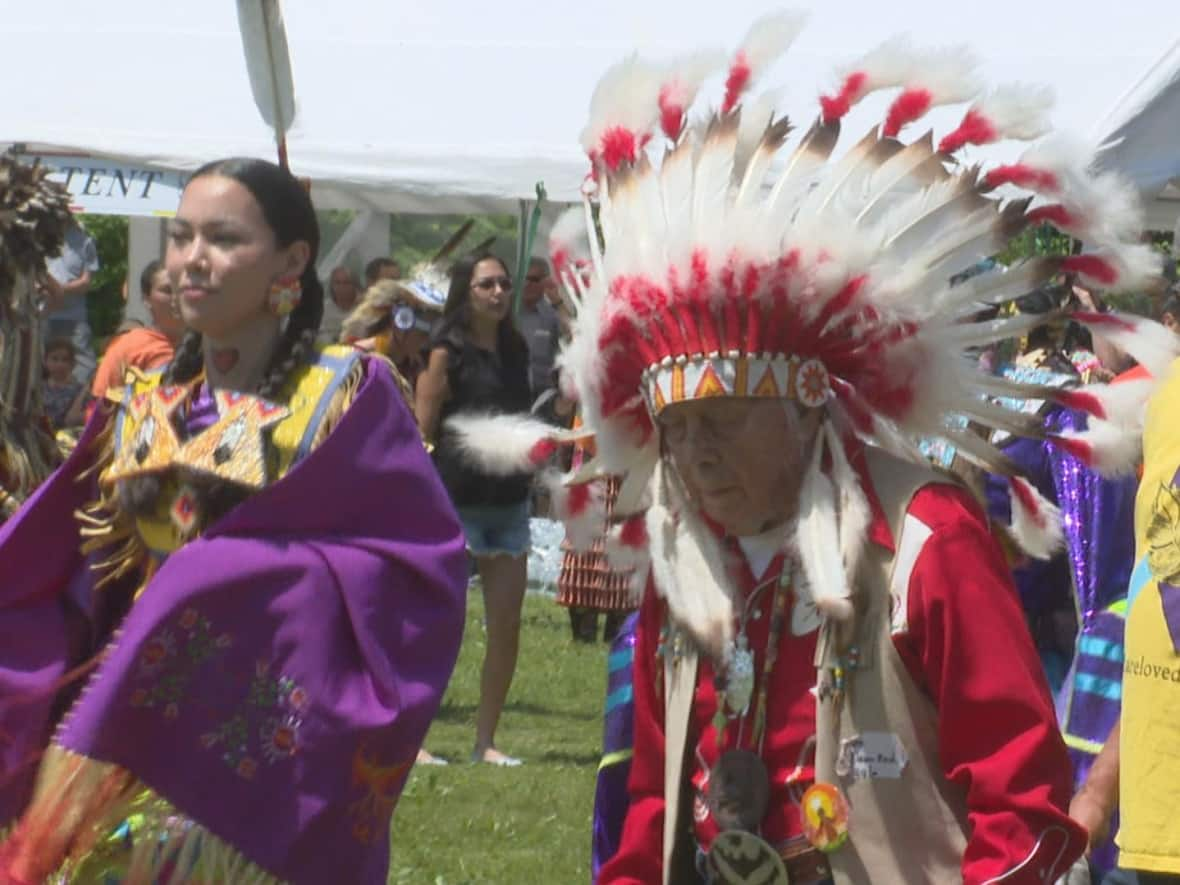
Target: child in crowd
{"type": "Point", "coordinates": [63, 396]}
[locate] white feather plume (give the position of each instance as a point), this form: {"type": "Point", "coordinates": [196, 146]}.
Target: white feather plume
{"type": "Point", "coordinates": [1114, 450]}
{"type": "Point", "coordinates": [1017, 110]}
{"type": "Point", "coordinates": [500, 444]}
{"type": "Point", "coordinates": [950, 75]}
{"type": "Point", "coordinates": [769, 38]}
{"type": "Point", "coordinates": [268, 64]}
{"type": "Point", "coordinates": [1149, 343]}
{"type": "Point", "coordinates": [627, 96]}
{"type": "Point", "coordinates": [581, 528]}
{"type": "Point", "coordinates": [889, 64]}
{"type": "Point", "coordinates": [689, 566]}
{"type": "Point", "coordinates": [1039, 533]}
{"type": "Point", "coordinates": [816, 528]}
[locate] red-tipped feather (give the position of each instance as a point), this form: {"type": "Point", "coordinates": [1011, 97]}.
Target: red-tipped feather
{"type": "Point", "coordinates": [1093, 267]}
{"type": "Point", "coordinates": [736, 82]}
{"type": "Point", "coordinates": [975, 129]}
{"type": "Point", "coordinates": [1054, 214]}
{"type": "Point", "coordinates": [851, 90]}
{"type": "Point", "coordinates": [1023, 176]}
{"type": "Point", "coordinates": [907, 107]}
{"type": "Point", "coordinates": [1036, 523]}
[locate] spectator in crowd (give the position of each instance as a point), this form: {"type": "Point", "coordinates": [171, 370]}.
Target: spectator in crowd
{"type": "Point", "coordinates": [383, 268]}
{"type": "Point", "coordinates": [62, 394]}
{"type": "Point", "coordinates": [540, 323]}
{"type": "Point", "coordinates": [144, 347]}
{"type": "Point", "coordinates": [73, 268]}
{"type": "Point", "coordinates": [479, 363]}
{"type": "Point", "coordinates": [1147, 775]}
{"type": "Point", "coordinates": [395, 319]}
{"type": "Point", "coordinates": [343, 295]}
{"type": "Point", "coordinates": [1170, 312]}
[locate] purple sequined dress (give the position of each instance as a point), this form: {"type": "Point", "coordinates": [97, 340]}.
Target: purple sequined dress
{"type": "Point", "coordinates": [1086, 582]}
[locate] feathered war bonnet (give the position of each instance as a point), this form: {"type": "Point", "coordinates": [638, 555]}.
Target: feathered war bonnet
{"type": "Point", "coordinates": [733, 263]}
{"type": "Point", "coordinates": [34, 217]}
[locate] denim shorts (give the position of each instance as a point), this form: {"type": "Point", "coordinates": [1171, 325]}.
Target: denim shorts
{"type": "Point", "coordinates": [495, 531]}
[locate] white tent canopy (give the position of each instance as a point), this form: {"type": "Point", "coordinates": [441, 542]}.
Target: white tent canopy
{"type": "Point", "coordinates": [1143, 134]}
{"type": "Point", "coordinates": [457, 106]}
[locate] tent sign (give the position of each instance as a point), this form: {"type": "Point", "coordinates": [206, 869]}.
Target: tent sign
{"type": "Point", "coordinates": [100, 186]}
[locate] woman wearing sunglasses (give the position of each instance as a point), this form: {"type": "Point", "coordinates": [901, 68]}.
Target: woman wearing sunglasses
{"type": "Point", "coordinates": [479, 362]}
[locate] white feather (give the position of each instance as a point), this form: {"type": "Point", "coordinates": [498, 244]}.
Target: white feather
{"type": "Point", "coordinates": [1039, 535]}
{"type": "Point", "coordinates": [689, 566]}
{"type": "Point", "coordinates": [1122, 403]}
{"type": "Point", "coordinates": [499, 444]}
{"type": "Point", "coordinates": [268, 62]}
{"type": "Point", "coordinates": [816, 529]}
{"type": "Point", "coordinates": [949, 75]}
{"type": "Point", "coordinates": [855, 514]}
{"type": "Point", "coordinates": [770, 37]}
{"type": "Point", "coordinates": [1151, 344]}
{"type": "Point", "coordinates": [581, 529]}
{"type": "Point", "coordinates": [627, 95]}
{"type": "Point", "coordinates": [1114, 450]}
{"type": "Point", "coordinates": [683, 77]}
{"type": "Point", "coordinates": [888, 65]}
{"type": "Point", "coordinates": [714, 174]}
{"type": "Point", "coordinates": [1017, 110]}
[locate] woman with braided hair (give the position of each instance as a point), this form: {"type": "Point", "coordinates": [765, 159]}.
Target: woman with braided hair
{"type": "Point", "coordinates": [231, 653]}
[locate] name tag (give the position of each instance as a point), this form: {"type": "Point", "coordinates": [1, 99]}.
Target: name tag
{"type": "Point", "coordinates": [872, 754]}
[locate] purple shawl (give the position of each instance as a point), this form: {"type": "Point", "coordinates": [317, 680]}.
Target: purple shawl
{"type": "Point", "coordinates": [278, 674]}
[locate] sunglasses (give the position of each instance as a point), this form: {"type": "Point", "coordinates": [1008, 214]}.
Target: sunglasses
{"type": "Point", "coordinates": [533, 278]}
{"type": "Point", "coordinates": [490, 283]}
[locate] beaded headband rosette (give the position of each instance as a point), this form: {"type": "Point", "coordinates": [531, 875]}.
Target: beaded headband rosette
{"type": "Point", "coordinates": [734, 264]}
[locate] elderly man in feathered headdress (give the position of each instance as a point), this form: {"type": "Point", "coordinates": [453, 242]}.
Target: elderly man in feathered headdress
{"type": "Point", "coordinates": [832, 675]}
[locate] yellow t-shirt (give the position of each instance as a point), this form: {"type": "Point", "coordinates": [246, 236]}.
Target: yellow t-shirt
{"type": "Point", "coordinates": [1149, 752]}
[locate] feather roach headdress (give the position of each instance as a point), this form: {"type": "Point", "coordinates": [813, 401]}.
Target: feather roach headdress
{"type": "Point", "coordinates": [735, 263]}
{"type": "Point", "coordinates": [425, 292]}
{"type": "Point", "coordinates": [34, 216]}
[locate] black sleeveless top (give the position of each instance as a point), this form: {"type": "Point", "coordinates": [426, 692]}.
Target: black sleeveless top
{"type": "Point", "coordinates": [480, 381]}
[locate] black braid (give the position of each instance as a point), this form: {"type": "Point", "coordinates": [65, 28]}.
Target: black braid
{"type": "Point", "coordinates": [297, 345]}
{"type": "Point", "coordinates": [187, 361]}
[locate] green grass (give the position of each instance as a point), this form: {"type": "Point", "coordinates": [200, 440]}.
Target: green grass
{"type": "Point", "coordinates": [478, 823]}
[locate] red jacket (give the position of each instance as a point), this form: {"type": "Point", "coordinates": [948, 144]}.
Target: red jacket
{"type": "Point", "coordinates": [964, 642]}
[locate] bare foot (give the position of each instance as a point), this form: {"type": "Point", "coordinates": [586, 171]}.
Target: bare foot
{"type": "Point", "coordinates": [427, 758]}
{"type": "Point", "coordinates": [492, 756]}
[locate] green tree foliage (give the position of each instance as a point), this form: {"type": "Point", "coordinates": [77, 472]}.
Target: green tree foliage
{"type": "Point", "coordinates": [415, 238]}
{"type": "Point", "coordinates": [105, 301]}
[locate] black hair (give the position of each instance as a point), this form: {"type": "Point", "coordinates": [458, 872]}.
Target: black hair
{"type": "Point", "coordinates": [373, 268]}
{"type": "Point", "coordinates": [54, 345]}
{"type": "Point", "coordinates": [1171, 303]}
{"type": "Point", "coordinates": [289, 213]}
{"type": "Point", "coordinates": [456, 322]}
{"type": "Point", "coordinates": [148, 275]}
